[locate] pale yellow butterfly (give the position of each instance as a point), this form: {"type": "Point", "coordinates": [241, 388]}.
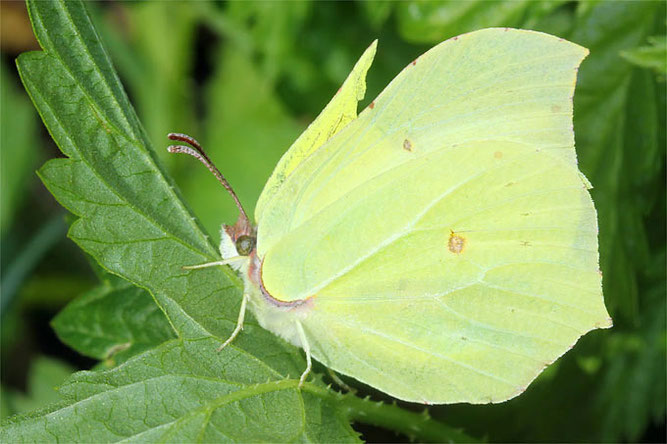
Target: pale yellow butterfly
{"type": "Point", "coordinates": [441, 246]}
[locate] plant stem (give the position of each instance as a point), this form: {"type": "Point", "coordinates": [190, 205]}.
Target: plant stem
{"type": "Point", "coordinates": [416, 426]}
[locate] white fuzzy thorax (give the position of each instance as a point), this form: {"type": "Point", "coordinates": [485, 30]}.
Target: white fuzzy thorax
{"type": "Point", "coordinates": [228, 249]}
{"type": "Point", "coordinates": [278, 320]}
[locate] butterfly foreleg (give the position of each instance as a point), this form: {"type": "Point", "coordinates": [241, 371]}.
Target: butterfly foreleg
{"type": "Point", "coordinates": [239, 324]}
{"type": "Point", "coordinates": [306, 348]}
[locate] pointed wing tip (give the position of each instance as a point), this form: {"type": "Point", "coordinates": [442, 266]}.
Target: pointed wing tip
{"type": "Point", "coordinates": [584, 52]}
{"type": "Point", "coordinates": [607, 323]}
{"type": "Point", "coordinates": [370, 51]}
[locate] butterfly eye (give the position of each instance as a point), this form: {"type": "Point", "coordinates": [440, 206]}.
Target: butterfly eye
{"type": "Point", "coordinates": [245, 244]}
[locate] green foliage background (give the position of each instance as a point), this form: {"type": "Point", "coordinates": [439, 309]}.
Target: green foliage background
{"type": "Point", "coordinates": [245, 78]}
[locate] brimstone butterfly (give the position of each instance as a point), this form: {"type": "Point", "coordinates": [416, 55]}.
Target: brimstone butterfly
{"type": "Point", "coordinates": [441, 246]}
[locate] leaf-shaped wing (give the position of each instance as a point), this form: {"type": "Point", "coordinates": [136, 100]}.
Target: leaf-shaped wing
{"type": "Point", "coordinates": [446, 237]}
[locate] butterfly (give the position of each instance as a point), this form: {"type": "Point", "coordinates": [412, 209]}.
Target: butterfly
{"type": "Point", "coordinates": [440, 246]}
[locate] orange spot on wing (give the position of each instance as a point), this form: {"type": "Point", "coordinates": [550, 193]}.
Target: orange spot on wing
{"type": "Point", "coordinates": [498, 155]}
{"type": "Point", "coordinates": [414, 62]}
{"type": "Point", "coordinates": [372, 105]}
{"type": "Point", "coordinates": [456, 243]}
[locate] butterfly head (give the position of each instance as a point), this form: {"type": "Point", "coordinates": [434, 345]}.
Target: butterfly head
{"type": "Point", "coordinates": [242, 235]}
{"type": "Point", "coordinates": [245, 244]}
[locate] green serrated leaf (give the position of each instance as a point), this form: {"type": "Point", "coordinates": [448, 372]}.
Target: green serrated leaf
{"type": "Point", "coordinates": [66, 32]}
{"type": "Point", "coordinates": [132, 221]}
{"type": "Point", "coordinates": [182, 392]}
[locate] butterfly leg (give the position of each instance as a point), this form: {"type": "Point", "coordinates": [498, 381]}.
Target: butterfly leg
{"type": "Point", "coordinates": [340, 382]}
{"type": "Point", "coordinates": [306, 348]}
{"type": "Point", "coordinates": [213, 264]}
{"type": "Point", "coordinates": [239, 324]}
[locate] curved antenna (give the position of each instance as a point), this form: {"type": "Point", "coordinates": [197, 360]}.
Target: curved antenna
{"type": "Point", "coordinates": [198, 153]}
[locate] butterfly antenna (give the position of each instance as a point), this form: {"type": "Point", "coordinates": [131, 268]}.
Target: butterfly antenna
{"type": "Point", "coordinates": [198, 153]}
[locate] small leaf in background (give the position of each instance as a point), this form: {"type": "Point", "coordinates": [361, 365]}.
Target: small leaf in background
{"type": "Point", "coordinates": [653, 55]}
{"type": "Point", "coordinates": [44, 377]}
{"type": "Point", "coordinates": [113, 322]}
{"type": "Point", "coordinates": [377, 12]}
{"type": "Point", "coordinates": [275, 29]}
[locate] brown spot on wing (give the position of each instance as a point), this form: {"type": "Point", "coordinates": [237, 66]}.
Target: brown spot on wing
{"type": "Point", "coordinates": [555, 108]}
{"type": "Point", "coordinates": [456, 243]}
{"type": "Point", "coordinates": [407, 145]}
{"type": "Point", "coordinates": [414, 62]}
{"type": "Point", "coordinates": [371, 105]}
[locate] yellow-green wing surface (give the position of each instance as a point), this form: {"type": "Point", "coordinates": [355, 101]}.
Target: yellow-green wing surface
{"type": "Point", "coordinates": [445, 237]}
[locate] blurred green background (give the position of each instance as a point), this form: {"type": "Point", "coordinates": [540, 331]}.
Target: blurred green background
{"type": "Point", "coordinates": [245, 78]}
